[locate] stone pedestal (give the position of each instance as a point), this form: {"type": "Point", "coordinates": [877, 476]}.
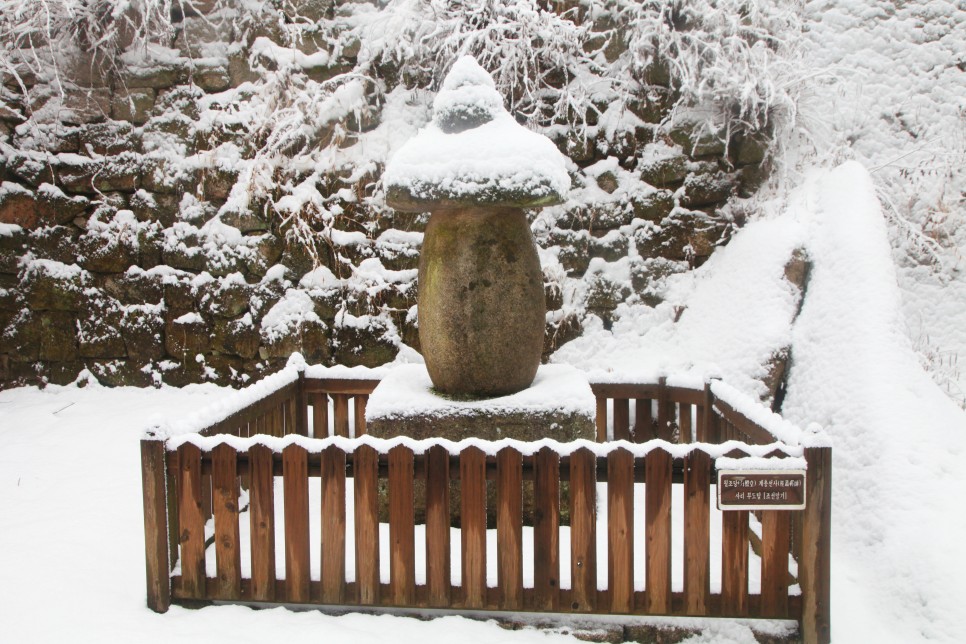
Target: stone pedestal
{"type": "Point", "coordinates": [559, 405]}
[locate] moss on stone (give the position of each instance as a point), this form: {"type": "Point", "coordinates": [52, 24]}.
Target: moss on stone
{"type": "Point", "coordinates": [481, 301]}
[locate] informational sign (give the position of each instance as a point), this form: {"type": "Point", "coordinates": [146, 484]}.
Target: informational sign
{"type": "Point", "coordinates": [761, 489]}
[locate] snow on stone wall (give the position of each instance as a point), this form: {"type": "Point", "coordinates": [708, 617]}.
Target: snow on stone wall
{"type": "Point", "coordinates": [211, 201]}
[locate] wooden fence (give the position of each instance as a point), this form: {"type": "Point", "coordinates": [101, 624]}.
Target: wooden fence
{"type": "Point", "coordinates": [185, 486]}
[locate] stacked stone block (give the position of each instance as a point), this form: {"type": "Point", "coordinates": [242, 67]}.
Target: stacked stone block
{"type": "Point", "coordinates": [103, 268]}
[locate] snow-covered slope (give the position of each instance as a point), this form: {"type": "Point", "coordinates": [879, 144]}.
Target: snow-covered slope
{"type": "Point", "coordinates": [737, 312]}
{"type": "Point", "coordinates": [889, 90]}
{"type": "Point", "coordinates": [898, 484]}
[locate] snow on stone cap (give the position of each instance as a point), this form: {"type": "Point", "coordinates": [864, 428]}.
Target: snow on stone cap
{"type": "Point", "coordinates": [474, 153]}
{"type": "Point", "coordinates": [467, 99]}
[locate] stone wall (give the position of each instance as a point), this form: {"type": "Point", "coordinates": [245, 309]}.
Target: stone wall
{"type": "Point", "coordinates": [123, 249]}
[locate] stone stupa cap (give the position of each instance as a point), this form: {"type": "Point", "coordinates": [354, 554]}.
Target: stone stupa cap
{"type": "Point", "coordinates": [474, 153]}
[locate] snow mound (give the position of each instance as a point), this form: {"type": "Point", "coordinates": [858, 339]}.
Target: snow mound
{"type": "Point", "coordinates": [290, 313]}
{"type": "Point", "coordinates": [738, 310]}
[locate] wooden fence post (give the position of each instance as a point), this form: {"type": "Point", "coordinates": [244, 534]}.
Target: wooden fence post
{"type": "Point", "coordinates": [600, 420]}
{"type": "Point", "coordinates": [301, 407]}
{"type": "Point", "coordinates": [359, 413]}
{"type": "Point", "coordinates": [711, 430]}
{"type": "Point", "coordinates": [815, 565]}
{"type": "Point", "coordinates": [153, 479]}
{"type": "Point", "coordinates": [705, 427]}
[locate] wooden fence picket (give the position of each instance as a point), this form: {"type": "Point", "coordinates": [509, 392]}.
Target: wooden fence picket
{"type": "Point", "coordinates": [546, 530]}
{"type": "Point", "coordinates": [262, 510]}
{"type": "Point", "coordinates": [697, 528]}
{"type": "Point", "coordinates": [333, 525]}
{"type": "Point", "coordinates": [643, 423]}
{"type": "Point", "coordinates": [621, 419]}
{"type": "Point", "coordinates": [366, 483]}
{"type": "Point", "coordinates": [225, 491]}
{"type": "Point", "coordinates": [438, 526]}
{"type": "Point", "coordinates": [665, 416]}
{"type": "Point", "coordinates": [657, 520]}
{"type": "Point", "coordinates": [191, 521]}
{"type": "Point", "coordinates": [583, 526]}
{"type": "Point", "coordinates": [774, 563]}
{"type": "Point", "coordinates": [402, 540]}
{"type": "Point", "coordinates": [206, 507]}
{"type": "Point", "coordinates": [601, 420]}
{"type": "Point", "coordinates": [340, 410]}
{"type": "Point", "coordinates": [291, 427]}
{"type": "Point", "coordinates": [620, 530]}
{"type": "Point", "coordinates": [509, 528]}
{"type": "Point", "coordinates": [359, 413]}
{"type": "Point", "coordinates": [295, 481]}
{"type": "Point", "coordinates": [320, 415]}
{"type": "Point", "coordinates": [473, 526]}
{"type": "Point", "coordinates": [734, 562]}
{"type": "Point", "coordinates": [684, 422]}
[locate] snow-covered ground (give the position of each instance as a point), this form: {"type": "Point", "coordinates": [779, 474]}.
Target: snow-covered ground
{"type": "Point", "coordinates": [70, 508]}
{"type": "Point", "coordinates": [71, 546]}
{"type": "Point", "coordinates": [898, 485]}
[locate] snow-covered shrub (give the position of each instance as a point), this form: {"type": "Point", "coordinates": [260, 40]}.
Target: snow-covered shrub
{"type": "Point", "coordinates": [738, 59]}
{"type": "Point", "coordinates": [41, 38]}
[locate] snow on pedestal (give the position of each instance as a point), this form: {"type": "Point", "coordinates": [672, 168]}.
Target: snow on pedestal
{"type": "Point", "coordinates": [558, 405]}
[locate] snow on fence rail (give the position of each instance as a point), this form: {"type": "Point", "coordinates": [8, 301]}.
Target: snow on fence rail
{"type": "Point", "coordinates": [266, 454]}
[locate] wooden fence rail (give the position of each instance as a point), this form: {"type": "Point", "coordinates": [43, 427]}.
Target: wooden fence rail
{"type": "Point", "coordinates": [186, 486]}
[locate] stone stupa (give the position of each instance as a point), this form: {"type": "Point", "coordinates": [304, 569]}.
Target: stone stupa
{"type": "Point", "coordinates": [481, 297]}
